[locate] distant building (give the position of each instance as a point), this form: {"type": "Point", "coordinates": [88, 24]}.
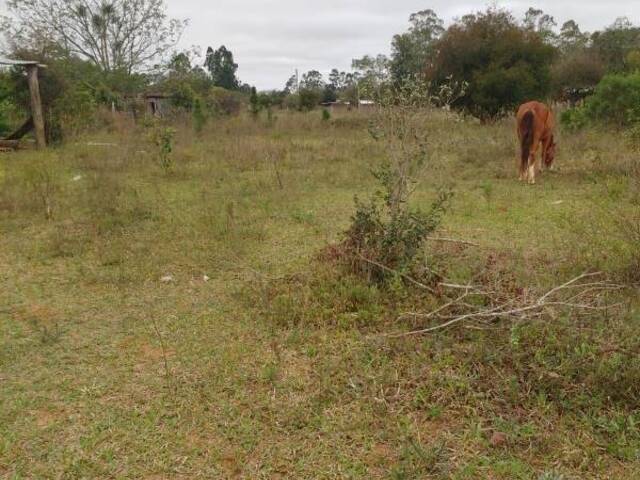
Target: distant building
{"type": "Point", "coordinates": [340, 106]}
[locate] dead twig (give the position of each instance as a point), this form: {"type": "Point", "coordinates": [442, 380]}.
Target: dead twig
{"type": "Point", "coordinates": [163, 347]}
{"type": "Point", "coordinates": [402, 275]}
{"type": "Point", "coordinates": [438, 310]}
{"type": "Point", "coordinates": [509, 309]}
{"type": "Point", "coordinates": [567, 285]}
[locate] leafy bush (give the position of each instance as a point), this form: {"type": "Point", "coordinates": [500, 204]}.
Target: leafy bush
{"type": "Point", "coordinates": [199, 117]}
{"type": "Point", "coordinates": [616, 102]}
{"type": "Point", "coordinates": [224, 102]}
{"type": "Point", "coordinates": [376, 238]}
{"type": "Point", "coordinates": [574, 119]}
{"type": "Point", "coordinates": [72, 113]}
{"type": "Point", "coordinates": [6, 108]}
{"type": "Point", "coordinates": [161, 137]}
{"type": "Point", "coordinates": [254, 102]}
{"type": "Point", "coordinates": [291, 102]}
{"type": "Point", "coordinates": [183, 96]}
{"type": "Point", "coordinates": [309, 99]}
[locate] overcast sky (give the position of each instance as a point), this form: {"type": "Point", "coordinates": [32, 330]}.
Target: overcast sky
{"type": "Point", "coordinates": [271, 38]}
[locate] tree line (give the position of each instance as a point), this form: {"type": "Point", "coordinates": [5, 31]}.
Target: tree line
{"type": "Point", "coordinates": [104, 52]}
{"type": "Point", "coordinates": [501, 60]}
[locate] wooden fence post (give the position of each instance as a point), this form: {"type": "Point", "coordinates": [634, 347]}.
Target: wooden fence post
{"type": "Point", "coordinates": [36, 106]}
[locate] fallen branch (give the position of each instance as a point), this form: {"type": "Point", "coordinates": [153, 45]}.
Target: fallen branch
{"type": "Point", "coordinates": [567, 285]}
{"type": "Point", "coordinates": [402, 275]}
{"type": "Point", "coordinates": [438, 310]}
{"type": "Point", "coordinates": [522, 312]}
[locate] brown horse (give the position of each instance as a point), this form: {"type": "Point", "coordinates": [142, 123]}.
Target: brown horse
{"type": "Point", "coordinates": [535, 127]}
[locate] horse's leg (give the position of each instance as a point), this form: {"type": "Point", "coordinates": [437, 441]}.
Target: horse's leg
{"type": "Point", "coordinates": [539, 162]}
{"type": "Point", "coordinates": [531, 174]}
{"type": "Point", "coordinates": [545, 146]}
{"type": "Point", "coordinates": [522, 166]}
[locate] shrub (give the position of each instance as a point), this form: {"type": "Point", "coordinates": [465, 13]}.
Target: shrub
{"type": "Point", "coordinates": [6, 108]}
{"type": "Point", "coordinates": [574, 118]}
{"type": "Point", "coordinates": [161, 138]}
{"type": "Point", "coordinates": [224, 102]}
{"type": "Point", "coordinates": [380, 242]}
{"type": "Point", "coordinates": [387, 234]}
{"type": "Point", "coordinates": [254, 102]}
{"type": "Point", "coordinates": [182, 96]}
{"type": "Point", "coordinates": [309, 99]}
{"type": "Point", "coordinates": [199, 117]}
{"type": "Point", "coordinates": [615, 102]}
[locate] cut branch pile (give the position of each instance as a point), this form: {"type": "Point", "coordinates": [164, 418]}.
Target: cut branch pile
{"type": "Point", "coordinates": [585, 294]}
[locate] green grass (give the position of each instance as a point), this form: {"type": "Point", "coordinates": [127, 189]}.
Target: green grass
{"type": "Point", "coordinates": [273, 366]}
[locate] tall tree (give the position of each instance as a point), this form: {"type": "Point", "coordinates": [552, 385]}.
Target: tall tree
{"type": "Point", "coordinates": [502, 63]}
{"type": "Point", "coordinates": [411, 51]}
{"type": "Point", "coordinates": [292, 84]}
{"type": "Point", "coordinates": [115, 35]}
{"type": "Point", "coordinates": [571, 38]}
{"type": "Point", "coordinates": [222, 68]}
{"type": "Point", "coordinates": [536, 20]}
{"type": "Point", "coordinates": [578, 66]}
{"type": "Point", "coordinates": [312, 80]}
{"type": "Point", "coordinates": [616, 43]}
{"type": "Point", "coordinates": [371, 72]}
{"type": "Point", "coordinates": [337, 80]}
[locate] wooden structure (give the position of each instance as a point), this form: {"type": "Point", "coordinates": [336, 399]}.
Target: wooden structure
{"type": "Point", "coordinates": [36, 122]}
{"type": "Point", "coordinates": [154, 103]}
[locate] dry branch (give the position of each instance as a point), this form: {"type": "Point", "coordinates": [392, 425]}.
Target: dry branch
{"type": "Point", "coordinates": [402, 275]}
{"type": "Point", "coordinates": [510, 309]}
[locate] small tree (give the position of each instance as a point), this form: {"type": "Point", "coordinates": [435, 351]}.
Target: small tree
{"type": "Point", "coordinates": [387, 234]}
{"type": "Point", "coordinates": [199, 117]}
{"type": "Point", "coordinates": [254, 102]}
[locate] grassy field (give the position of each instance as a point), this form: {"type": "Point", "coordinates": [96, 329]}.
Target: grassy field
{"type": "Point", "coordinates": [181, 322]}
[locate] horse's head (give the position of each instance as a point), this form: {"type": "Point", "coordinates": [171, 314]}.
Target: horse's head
{"type": "Point", "coordinates": [550, 154]}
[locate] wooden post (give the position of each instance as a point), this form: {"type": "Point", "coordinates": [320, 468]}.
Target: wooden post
{"type": "Point", "coordinates": [36, 106]}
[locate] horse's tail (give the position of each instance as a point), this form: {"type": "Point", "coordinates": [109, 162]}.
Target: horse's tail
{"type": "Point", "coordinates": [526, 131]}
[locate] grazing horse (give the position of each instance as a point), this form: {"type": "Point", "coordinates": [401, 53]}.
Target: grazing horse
{"type": "Point", "coordinates": [535, 128]}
